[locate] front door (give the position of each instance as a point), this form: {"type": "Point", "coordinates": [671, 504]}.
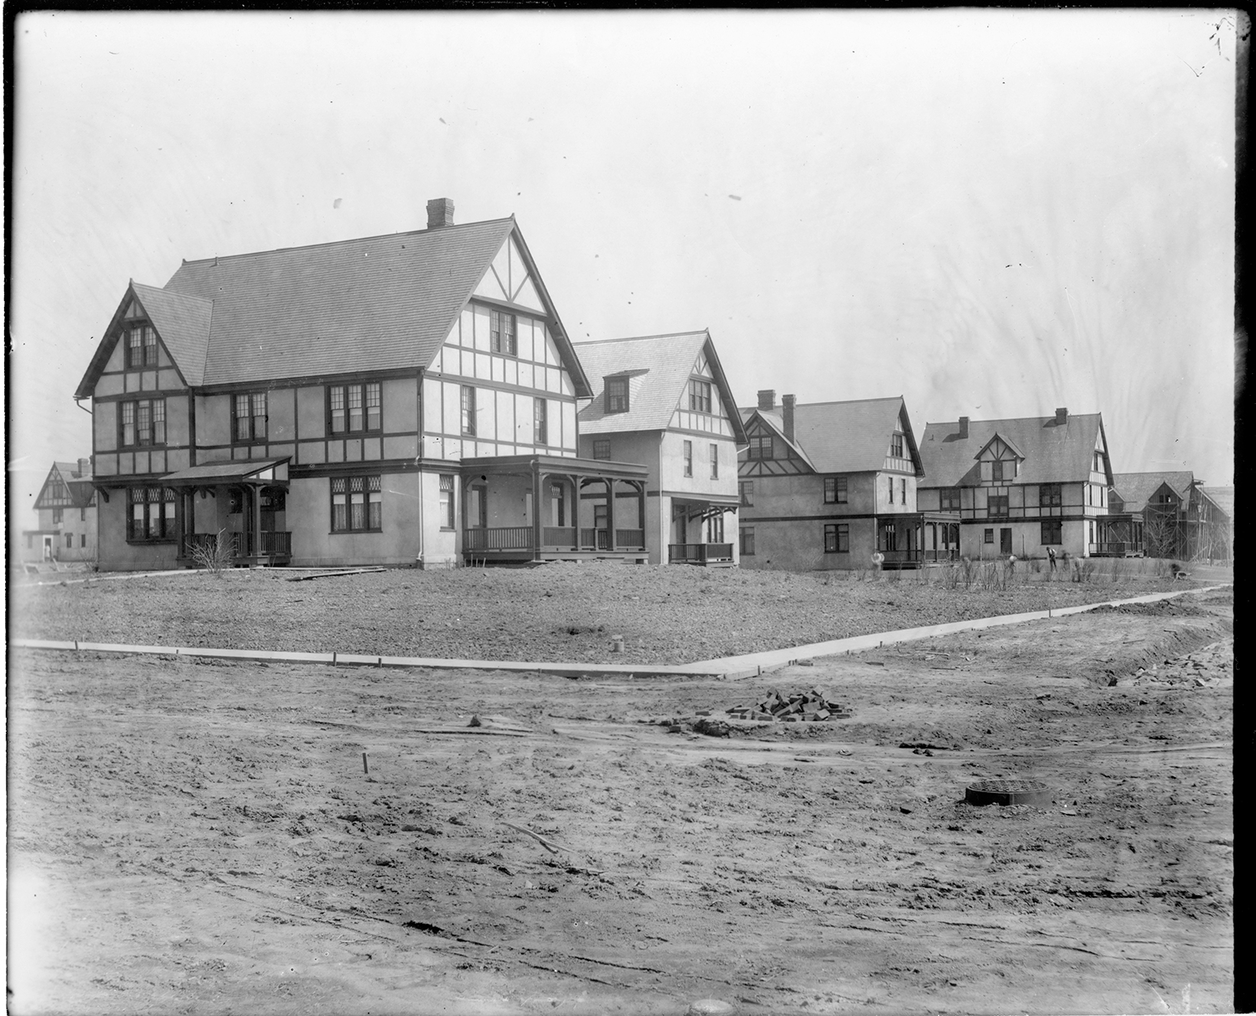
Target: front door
{"type": "Point", "coordinates": [1005, 541]}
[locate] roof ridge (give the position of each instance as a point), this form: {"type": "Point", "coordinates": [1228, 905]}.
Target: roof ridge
{"type": "Point", "coordinates": [637, 338]}
{"type": "Point", "coordinates": [1006, 419]}
{"type": "Point", "coordinates": [332, 243]}
{"type": "Point", "coordinates": [847, 402]}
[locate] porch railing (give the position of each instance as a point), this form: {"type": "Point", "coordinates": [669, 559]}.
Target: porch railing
{"type": "Point", "coordinates": [497, 538]}
{"type": "Point", "coordinates": [1119, 548]}
{"type": "Point", "coordinates": [558, 536]}
{"type": "Point", "coordinates": [597, 539]}
{"type": "Point", "coordinates": [699, 553]}
{"type": "Point", "coordinates": [272, 544]}
{"type": "Point", "coordinates": [513, 538]}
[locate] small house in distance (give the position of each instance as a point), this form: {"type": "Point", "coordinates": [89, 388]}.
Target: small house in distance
{"type": "Point", "coordinates": [1025, 485]}
{"type": "Point", "coordinates": [663, 401]}
{"type": "Point", "coordinates": [67, 516]}
{"type": "Point", "coordinates": [828, 485]}
{"type": "Point", "coordinates": [1179, 518]}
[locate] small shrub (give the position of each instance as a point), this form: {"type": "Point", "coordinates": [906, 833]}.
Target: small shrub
{"type": "Point", "coordinates": [216, 556]}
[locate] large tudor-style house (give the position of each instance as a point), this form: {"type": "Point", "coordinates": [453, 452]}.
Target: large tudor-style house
{"type": "Point", "coordinates": [1175, 513]}
{"type": "Point", "coordinates": [67, 516]}
{"type": "Point", "coordinates": [407, 399]}
{"type": "Point", "coordinates": [663, 401]}
{"type": "Point", "coordinates": [1023, 486]}
{"type": "Point", "coordinates": [829, 485]}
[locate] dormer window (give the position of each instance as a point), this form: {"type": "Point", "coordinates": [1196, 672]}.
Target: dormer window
{"type": "Point", "coordinates": [999, 461]}
{"type": "Point", "coordinates": [617, 395]}
{"type": "Point", "coordinates": [141, 346]}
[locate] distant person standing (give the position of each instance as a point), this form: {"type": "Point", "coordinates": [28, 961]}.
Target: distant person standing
{"type": "Point", "coordinates": [1051, 557]}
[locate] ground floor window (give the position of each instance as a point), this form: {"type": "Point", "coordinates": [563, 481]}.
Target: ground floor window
{"type": "Point", "coordinates": [82, 540]}
{"type": "Point", "coordinates": [746, 534]}
{"type": "Point", "coordinates": [1052, 532]}
{"type": "Point", "coordinates": [356, 504]}
{"type": "Point", "coordinates": [152, 513]}
{"type": "Point", "coordinates": [837, 538]}
{"type": "Point", "coordinates": [446, 501]}
{"type": "Point", "coordinates": [988, 536]}
{"type": "Point", "coordinates": [69, 541]}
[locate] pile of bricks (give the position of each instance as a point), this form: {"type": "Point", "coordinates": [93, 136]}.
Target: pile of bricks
{"type": "Point", "coordinates": [800, 708]}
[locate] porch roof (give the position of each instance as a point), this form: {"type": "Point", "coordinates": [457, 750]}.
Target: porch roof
{"type": "Point", "coordinates": [498, 464]}
{"type": "Point", "coordinates": [238, 471]}
{"type": "Point", "coordinates": [724, 500]}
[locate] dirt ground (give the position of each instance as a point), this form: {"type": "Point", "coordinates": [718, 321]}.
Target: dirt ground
{"type": "Point", "coordinates": [200, 837]}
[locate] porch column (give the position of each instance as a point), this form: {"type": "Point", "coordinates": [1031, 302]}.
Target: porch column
{"type": "Point", "coordinates": [645, 543]}
{"type": "Point", "coordinates": [536, 510]}
{"type": "Point", "coordinates": [255, 510]}
{"type": "Point", "coordinates": [610, 514]}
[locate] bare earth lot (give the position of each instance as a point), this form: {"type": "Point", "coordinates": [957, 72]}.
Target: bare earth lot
{"type": "Point", "coordinates": [201, 838]}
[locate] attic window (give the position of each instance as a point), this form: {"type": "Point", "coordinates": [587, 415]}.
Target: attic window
{"type": "Point", "coordinates": [501, 331]}
{"type": "Point", "coordinates": [141, 346]}
{"type": "Point", "coordinates": [896, 447]}
{"type": "Point", "coordinates": [700, 396]}
{"type": "Point", "coordinates": [617, 395]}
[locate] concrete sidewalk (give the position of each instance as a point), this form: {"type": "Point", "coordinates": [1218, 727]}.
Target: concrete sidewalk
{"type": "Point", "coordinates": [728, 667]}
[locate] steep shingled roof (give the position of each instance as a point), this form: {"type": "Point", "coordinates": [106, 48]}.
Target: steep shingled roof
{"type": "Point", "coordinates": [1054, 453]}
{"type": "Point", "coordinates": [844, 437]}
{"type": "Point", "coordinates": [183, 322]}
{"type": "Point", "coordinates": [658, 369]}
{"type": "Point", "coordinates": [78, 486]}
{"type": "Point", "coordinates": [1135, 489]}
{"type": "Point", "coordinates": [1223, 498]}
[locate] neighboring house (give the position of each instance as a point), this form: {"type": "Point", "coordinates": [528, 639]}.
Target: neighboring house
{"type": "Point", "coordinates": [1179, 518]}
{"type": "Point", "coordinates": [67, 516]}
{"type": "Point", "coordinates": [828, 485]}
{"type": "Point", "coordinates": [663, 401]}
{"type": "Point", "coordinates": [1023, 486]}
{"type": "Point", "coordinates": [1223, 497]}
{"type": "Point", "coordinates": [396, 400]}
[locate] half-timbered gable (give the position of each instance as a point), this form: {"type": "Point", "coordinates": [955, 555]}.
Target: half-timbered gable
{"type": "Point", "coordinates": [1022, 486]}
{"type": "Point", "coordinates": [663, 400]}
{"type": "Point", "coordinates": [67, 516]}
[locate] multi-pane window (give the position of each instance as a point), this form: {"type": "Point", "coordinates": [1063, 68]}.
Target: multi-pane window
{"type": "Point", "coordinates": [249, 416]}
{"type": "Point", "coordinates": [700, 396]}
{"type": "Point", "coordinates": [468, 410]}
{"type": "Point", "coordinates": [558, 504]}
{"type": "Point", "coordinates": [1050, 495]}
{"type": "Point", "coordinates": [355, 408]}
{"type": "Point", "coordinates": [889, 482]}
{"type": "Point", "coordinates": [501, 332]}
{"type": "Point", "coordinates": [446, 501]}
{"type": "Point", "coordinates": [746, 535]}
{"type": "Point", "coordinates": [143, 422]}
{"type": "Point", "coordinates": [902, 491]}
{"type": "Point", "coordinates": [760, 447]}
{"type": "Point", "coordinates": [835, 490]}
{"type": "Point", "coordinates": [715, 528]}
{"type": "Point", "coordinates": [601, 448]}
{"type": "Point", "coordinates": [689, 458]}
{"type": "Point", "coordinates": [998, 506]}
{"type": "Point", "coordinates": [745, 490]}
{"type": "Point", "coordinates": [355, 504]}
{"type": "Point", "coordinates": [151, 514]}
{"type": "Point", "coordinates": [1052, 532]}
{"type": "Point", "coordinates": [948, 499]}
{"type": "Point", "coordinates": [715, 462]}
{"type": "Point", "coordinates": [837, 538]}
{"type": "Point", "coordinates": [57, 515]}
{"type": "Point", "coordinates": [1003, 469]}
{"type": "Point", "coordinates": [987, 536]}
{"type": "Point", "coordinates": [141, 346]}
{"type": "Point", "coordinates": [540, 420]}
{"type": "Point", "coordinates": [896, 446]}
{"type": "Point", "coordinates": [617, 395]}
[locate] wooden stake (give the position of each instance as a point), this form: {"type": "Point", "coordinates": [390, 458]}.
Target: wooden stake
{"type": "Point", "coordinates": [364, 769]}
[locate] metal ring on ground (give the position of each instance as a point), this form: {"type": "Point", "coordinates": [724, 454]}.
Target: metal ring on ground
{"type": "Point", "coordinates": [1009, 792]}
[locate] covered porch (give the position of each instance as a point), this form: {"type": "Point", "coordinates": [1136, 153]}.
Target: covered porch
{"type": "Point", "coordinates": [246, 500]}
{"type": "Point", "coordinates": [523, 509]}
{"type": "Point", "coordinates": [1119, 535]}
{"type": "Point", "coordinates": [914, 539]}
{"type": "Point", "coordinates": [698, 530]}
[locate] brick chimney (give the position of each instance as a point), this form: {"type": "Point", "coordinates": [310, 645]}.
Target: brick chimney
{"type": "Point", "coordinates": [787, 416]}
{"type": "Point", "coordinates": [963, 428]}
{"type": "Point", "coordinates": [440, 212]}
{"type": "Point", "coordinates": [85, 467]}
{"type": "Point", "coordinates": [767, 398]}
{"type": "Point", "coordinates": [1061, 416]}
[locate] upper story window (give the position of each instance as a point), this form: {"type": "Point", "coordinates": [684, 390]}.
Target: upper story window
{"type": "Point", "coordinates": [617, 395]}
{"type": "Point", "coordinates": [902, 491]}
{"type": "Point", "coordinates": [689, 458]}
{"type": "Point", "coordinates": [746, 491]}
{"type": "Point", "coordinates": [248, 418]}
{"type": "Point", "coordinates": [835, 490]}
{"type": "Point", "coordinates": [760, 447]}
{"type": "Point", "coordinates": [57, 515]}
{"type": "Point", "coordinates": [355, 408]}
{"type": "Point", "coordinates": [1098, 463]}
{"type": "Point", "coordinates": [601, 448]}
{"type": "Point", "coordinates": [540, 420]}
{"type": "Point", "coordinates": [501, 332]}
{"type": "Point", "coordinates": [1050, 495]}
{"type": "Point", "coordinates": [998, 506]}
{"type": "Point", "coordinates": [715, 462]}
{"type": "Point", "coordinates": [468, 410]}
{"type": "Point", "coordinates": [948, 499]}
{"type": "Point", "coordinates": [896, 446]}
{"type": "Point", "coordinates": [700, 396]}
{"type": "Point", "coordinates": [1002, 470]}
{"type": "Point", "coordinates": [141, 346]}
{"type": "Point", "coordinates": [143, 423]}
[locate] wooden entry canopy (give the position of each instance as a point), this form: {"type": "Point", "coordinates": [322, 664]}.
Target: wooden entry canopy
{"type": "Point", "coordinates": [259, 547]}
{"type": "Point", "coordinates": [537, 541]}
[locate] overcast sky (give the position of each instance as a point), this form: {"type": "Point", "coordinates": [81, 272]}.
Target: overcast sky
{"type": "Point", "coordinates": [991, 213]}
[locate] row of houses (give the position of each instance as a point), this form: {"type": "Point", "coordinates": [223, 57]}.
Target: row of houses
{"type": "Point", "coordinates": [415, 399]}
